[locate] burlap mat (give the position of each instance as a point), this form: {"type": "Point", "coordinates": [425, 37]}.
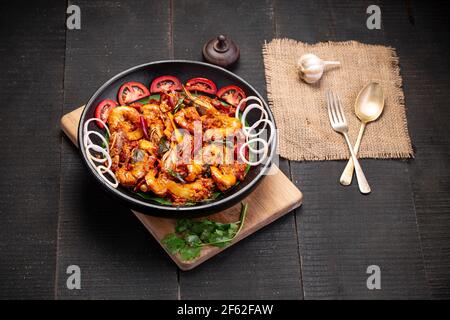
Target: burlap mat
{"type": "Point", "coordinates": [300, 109]}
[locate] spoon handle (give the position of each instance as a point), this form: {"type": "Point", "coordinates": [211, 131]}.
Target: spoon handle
{"type": "Point", "coordinates": [363, 185]}
{"type": "Point", "coordinates": [347, 174]}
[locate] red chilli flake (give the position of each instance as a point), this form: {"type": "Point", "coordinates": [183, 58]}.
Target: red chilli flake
{"type": "Point", "coordinates": [144, 127]}
{"type": "Point", "coordinates": [136, 105]}
{"type": "Point", "coordinates": [170, 99]}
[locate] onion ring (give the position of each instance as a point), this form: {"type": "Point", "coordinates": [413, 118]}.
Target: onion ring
{"type": "Point", "coordinates": [106, 162]}
{"type": "Point", "coordinates": [252, 135]}
{"type": "Point", "coordinates": [102, 170]}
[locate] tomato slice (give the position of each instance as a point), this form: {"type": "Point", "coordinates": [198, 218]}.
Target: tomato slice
{"type": "Point", "coordinates": [201, 84]}
{"type": "Point", "coordinates": [132, 91]}
{"type": "Point", "coordinates": [231, 95]}
{"type": "Point", "coordinates": [103, 109]}
{"type": "Point", "coordinates": [165, 84]}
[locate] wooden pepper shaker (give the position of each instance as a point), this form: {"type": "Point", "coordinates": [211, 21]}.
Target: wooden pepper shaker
{"type": "Point", "coordinates": [221, 51]}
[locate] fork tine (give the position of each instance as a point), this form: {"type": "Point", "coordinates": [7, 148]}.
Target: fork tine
{"type": "Point", "coordinates": [333, 107]}
{"type": "Point", "coordinates": [336, 107]}
{"type": "Point", "coordinates": [340, 109]}
{"type": "Point", "coordinates": [329, 106]}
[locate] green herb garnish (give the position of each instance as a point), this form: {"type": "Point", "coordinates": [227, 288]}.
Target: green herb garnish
{"type": "Point", "coordinates": [179, 105]}
{"type": "Point", "coordinates": [191, 235]}
{"type": "Point", "coordinates": [148, 196]}
{"type": "Point", "coordinates": [176, 175]}
{"type": "Point", "coordinates": [147, 99]}
{"type": "Point", "coordinates": [214, 196]}
{"type": "Point", "coordinates": [163, 146]}
{"type": "Point", "coordinates": [168, 202]}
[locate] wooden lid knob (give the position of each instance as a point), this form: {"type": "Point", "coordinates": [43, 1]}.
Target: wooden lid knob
{"type": "Point", "coordinates": [221, 51]}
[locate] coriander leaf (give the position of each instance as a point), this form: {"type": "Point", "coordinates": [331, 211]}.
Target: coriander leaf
{"type": "Point", "coordinates": [233, 227]}
{"type": "Point", "coordinates": [192, 240]}
{"type": "Point", "coordinates": [216, 241]}
{"type": "Point", "coordinates": [219, 240]}
{"type": "Point", "coordinates": [183, 225]}
{"type": "Point", "coordinates": [219, 232]}
{"type": "Point", "coordinates": [191, 235]}
{"type": "Point", "coordinates": [222, 226]}
{"type": "Point", "coordinates": [199, 226]}
{"type": "Point", "coordinates": [173, 243]}
{"type": "Point", "coordinates": [189, 253]}
{"type": "Point", "coordinates": [204, 236]}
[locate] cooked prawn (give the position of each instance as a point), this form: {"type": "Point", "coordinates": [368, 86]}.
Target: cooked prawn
{"type": "Point", "coordinates": [154, 119]}
{"type": "Point", "coordinates": [198, 190]}
{"type": "Point", "coordinates": [219, 126]}
{"type": "Point", "coordinates": [151, 112]}
{"type": "Point", "coordinates": [158, 185]}
{"type": "Point", "coordinates": [148, 146]}
{"type": "Point", "coordinates": [186, 118]}
{"type": "Point", "coordinates": [126, 119]}
{"type": "Point", "coordinates": [125, 177]}
{"type": "Point", "coordinates": [223, 176]}
{"type": "Point", "coordinates": [194, 170]}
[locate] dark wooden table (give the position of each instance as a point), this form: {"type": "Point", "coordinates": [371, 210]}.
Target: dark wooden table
{"type": "Point", "coordinates": [53, 215]}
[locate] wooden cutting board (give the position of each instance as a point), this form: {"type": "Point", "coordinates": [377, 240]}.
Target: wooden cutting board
{"type": "Point", "coordinates": [275, 196]}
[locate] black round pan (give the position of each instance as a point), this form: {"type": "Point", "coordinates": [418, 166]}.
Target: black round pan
{"type": "Point", "coordinates": [184, 70]}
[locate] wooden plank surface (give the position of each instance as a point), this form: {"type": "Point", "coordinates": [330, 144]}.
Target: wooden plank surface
{"type": "Point", "coordinates": [341, 232]}
{"type": "Point", "coordinates": [427, 96]}
{"type": "Point", "coordinates": [272, 199]}
{"type": "Point", "coordinates": [334, 244]}
{"type": "Point", "coordinates": [117, 256]}
{"type": "Point", "coordinates": [268, 265]}
{"type": "Point", "coordinates": [31, 64]}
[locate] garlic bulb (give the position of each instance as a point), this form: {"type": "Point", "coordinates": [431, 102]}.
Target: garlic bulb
{"type": "Point", "coordinates": [311, 67]}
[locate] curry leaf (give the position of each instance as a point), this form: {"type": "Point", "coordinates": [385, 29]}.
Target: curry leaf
{"type": "Point", "coordinates": [176, 175]}
{"type": "Point", "coordinates": [179, 105]}
{"type": "Point", "coordinates": [163, 146]}
{"type": "Point", "coordinates": [159, 200]}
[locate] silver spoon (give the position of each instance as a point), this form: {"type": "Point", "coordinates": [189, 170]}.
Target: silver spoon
{"type": "Point", "coordinates": [368, 107]}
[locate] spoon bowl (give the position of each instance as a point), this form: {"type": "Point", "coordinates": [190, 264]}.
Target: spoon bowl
{"type": "Point", "coordinates": [370, 103]}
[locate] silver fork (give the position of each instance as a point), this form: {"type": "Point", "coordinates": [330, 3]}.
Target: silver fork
{"type": "Point", "coordinates": [339, 124]}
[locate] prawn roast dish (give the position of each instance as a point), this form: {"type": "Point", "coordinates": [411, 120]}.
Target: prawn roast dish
{"type": "Point", "coordinates": [174, 141]}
